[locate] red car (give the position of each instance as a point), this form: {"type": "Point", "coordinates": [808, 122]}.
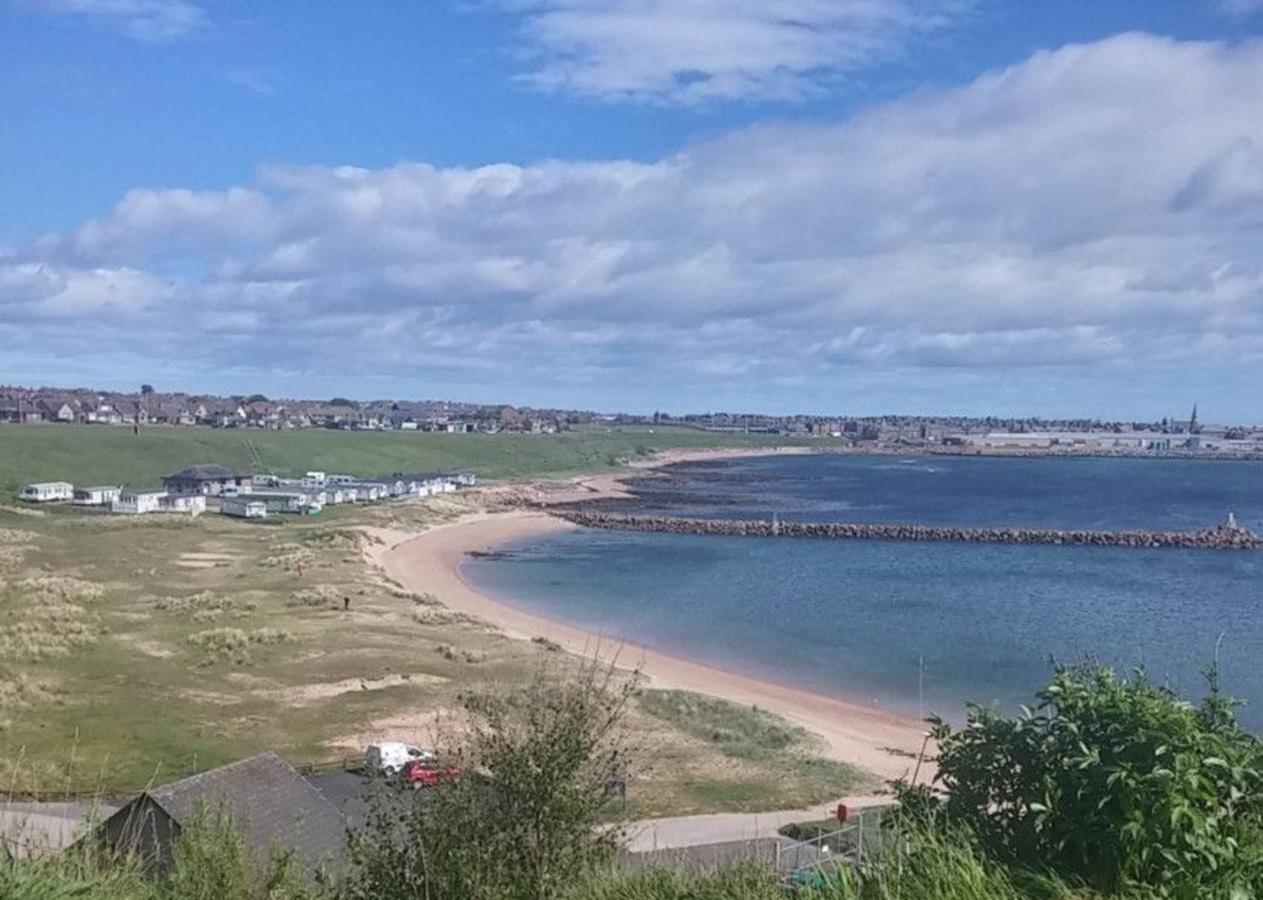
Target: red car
{"type": "Point", "coordinates": [429, 772]}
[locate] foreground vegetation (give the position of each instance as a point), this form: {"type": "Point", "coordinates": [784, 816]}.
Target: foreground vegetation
{"type": "Point", "coordinates": [1112, 788]}
{"type": "Point", "coordinates": [90, 454]}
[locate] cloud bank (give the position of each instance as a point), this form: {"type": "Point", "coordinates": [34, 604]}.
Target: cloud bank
{"type": "Point", "coordinates": [1096, 209]}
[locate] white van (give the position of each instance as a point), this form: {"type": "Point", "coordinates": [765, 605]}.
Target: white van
{"type": "Point", "coordinates": [389, 757]}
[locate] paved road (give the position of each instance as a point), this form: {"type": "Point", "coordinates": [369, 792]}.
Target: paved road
{"type": "Point", "coordinates": [38, 828]}
{"type": "Point", "coordinates": [722, 828]}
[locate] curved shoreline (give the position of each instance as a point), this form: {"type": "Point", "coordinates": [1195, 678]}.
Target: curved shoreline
{"type": "Point", "coordinates": [431, 561]}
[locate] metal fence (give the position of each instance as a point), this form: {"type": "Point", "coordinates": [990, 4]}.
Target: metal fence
{"type": "Point", "coordinates": [850, 844]}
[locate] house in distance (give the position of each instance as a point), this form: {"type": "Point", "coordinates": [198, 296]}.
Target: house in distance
{"type": "Point", "coordinates": [47, 491]}
{"type": "Point", "coordinates": [208, 479]}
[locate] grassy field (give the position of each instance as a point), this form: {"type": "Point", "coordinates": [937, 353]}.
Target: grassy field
{"type": "Point", "coordinates": [141, 649]}
{"type": "Point", "coordinates": [87, 454]}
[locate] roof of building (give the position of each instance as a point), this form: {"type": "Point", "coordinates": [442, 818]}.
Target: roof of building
{"type": "Point", "coordinates": [272, 803]}
{"type": "Point", "coordinates": [416, 476]}
{"type": "Point", "coordinates": [203, 472]}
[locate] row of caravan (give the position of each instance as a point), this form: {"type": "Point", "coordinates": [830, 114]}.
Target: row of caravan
{"type": "Point", "coordinates": [254, 497]}
{"type": "Point", "coordinates": [119, 499]}
{"type": "Point", "coordinates": [267, 495]}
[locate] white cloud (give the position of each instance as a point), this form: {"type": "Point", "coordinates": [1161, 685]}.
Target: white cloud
{"type": "Point", "coordinates": [1240, 8]}
{"type": "Point", "coordinates": [255, 79]}
{"type": "Point", "coordinates": [155, 21]}
{"type": "Point", "coordinates": [1093, 209]}
{"type": "Point", "coordinates": [690, 51]}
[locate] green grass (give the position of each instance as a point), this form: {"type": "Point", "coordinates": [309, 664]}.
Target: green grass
{"type": "Point", "coordinates": [89, 454]}
{"type": "Point", "coordinates": [765, 762]}
{"type": "Point", "coordinates": [740, 732]}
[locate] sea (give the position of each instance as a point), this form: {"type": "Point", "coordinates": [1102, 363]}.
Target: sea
{"type": "Point", "coordinates": [919, 628]}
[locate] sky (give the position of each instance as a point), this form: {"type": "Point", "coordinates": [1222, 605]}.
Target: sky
{"type": "Point", "coordinates": [837, 206]}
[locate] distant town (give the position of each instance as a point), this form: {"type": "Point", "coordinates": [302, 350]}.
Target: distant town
{"type": "Point", "coordinates": [1184, 434]}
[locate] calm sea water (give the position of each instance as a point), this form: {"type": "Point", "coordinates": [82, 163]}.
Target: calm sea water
{"type": "Point", "coordinates": [919, 627]}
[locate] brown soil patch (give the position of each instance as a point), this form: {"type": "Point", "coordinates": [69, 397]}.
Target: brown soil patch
{"type": "Point", "coordinates": [419, 728]}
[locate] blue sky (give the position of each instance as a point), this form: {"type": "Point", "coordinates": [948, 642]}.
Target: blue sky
{"type": "Point", "coordinates": [835, 205]}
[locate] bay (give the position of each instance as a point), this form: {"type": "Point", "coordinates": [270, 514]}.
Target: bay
{"type": "Point", "coordinates": [913, 627]}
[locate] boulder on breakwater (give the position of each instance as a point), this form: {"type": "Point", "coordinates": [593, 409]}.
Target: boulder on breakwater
{"type": "Point", "coordinates": [1228, 536]}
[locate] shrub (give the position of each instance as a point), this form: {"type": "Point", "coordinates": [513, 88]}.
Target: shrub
{"type": "Point", "coordinates": [21, 690]}
{"type": "Point", "coordinates": [235, 641]}
{"type": "Point", "coordinates": [212, 861]}
{"type": "Point", "coordinates": [203, 603]}
{"type": "Point", "coordinates": [523, 828]}
{"type": "Point", "coordinates": [322, 595]}
{"type": "Point", "coordinates": [1114, 782]}
{"type": "Point", "coordinates": [935, 863]}
{"type": "Point", "coordinates": [220, 640]}
{"type": "Point", "coordinates": [74, 877]}
{"type": "Point", "coordinates": [451, 654]}
{"type": "Point", "coordinates": [427, 616]}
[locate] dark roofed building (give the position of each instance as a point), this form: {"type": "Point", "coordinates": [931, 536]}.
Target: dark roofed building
{"type": "Point", "coordinates": [207, 478]}
{"type": "Point", "coordinates": [273, 805]}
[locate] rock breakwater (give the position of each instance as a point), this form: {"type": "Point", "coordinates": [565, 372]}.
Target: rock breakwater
{"type": "Point", "coordinates": [1228, 536]}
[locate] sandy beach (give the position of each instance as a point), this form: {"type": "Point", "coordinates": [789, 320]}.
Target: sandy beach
{"type": "Point", "coordinates": [883, 743]}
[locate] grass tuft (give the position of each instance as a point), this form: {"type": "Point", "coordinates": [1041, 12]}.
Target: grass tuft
{"type": "Point", "coordinates": [235, 642]}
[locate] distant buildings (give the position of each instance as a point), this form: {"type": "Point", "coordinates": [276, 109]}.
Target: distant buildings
{"type": "Point", "coordinates": [891, 432]}
{"type": "Point", "coordinates": [47, 492]}
{"type": "Point", "coordinates": [86, 407]}
{"type": "Point", "coordinates": [138, 503]}
{"type": "Point", "coordinates": [208, 479]}
{"type": "Point", "coordinates": [243, 506]}
{"type": "Point", "coordinates": [96, 496]}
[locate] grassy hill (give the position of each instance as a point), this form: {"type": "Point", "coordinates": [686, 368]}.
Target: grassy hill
{"type": "Point", "coordinates": [86, 454]}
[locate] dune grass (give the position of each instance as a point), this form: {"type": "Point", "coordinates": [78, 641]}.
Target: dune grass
{"type": "Point", "coordinates": [760, 761]}
{"type": "Point", "coordinates": [134, 650]}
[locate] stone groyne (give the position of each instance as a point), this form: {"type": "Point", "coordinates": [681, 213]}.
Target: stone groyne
{"type": "Point", "coordinates": [1228, 536]}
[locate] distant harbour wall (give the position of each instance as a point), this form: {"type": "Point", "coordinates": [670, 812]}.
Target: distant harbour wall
{"type": "Point", "coordinates": [1228, 536]}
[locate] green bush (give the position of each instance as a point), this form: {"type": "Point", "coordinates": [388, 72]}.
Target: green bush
{"type": "Point", "coordinates": [1113, 782]}
{"type": "Point", "coordinates": [212, 861]}
{"type": "Point", "coordinates": [524, 822]}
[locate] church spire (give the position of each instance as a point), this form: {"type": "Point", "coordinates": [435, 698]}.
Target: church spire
{"type": "Point", "coordinates": [1192, 421]}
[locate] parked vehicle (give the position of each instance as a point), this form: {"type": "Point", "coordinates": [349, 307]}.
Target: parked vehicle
{"type": "Point", "coordinates": [390, 757]}
{"type": "Point", "coordinates": [430, 772]}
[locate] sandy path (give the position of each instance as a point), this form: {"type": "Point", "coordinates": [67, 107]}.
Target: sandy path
{"type": "Point", "coordinates": [609, 485]}
{"type": "Point", "coordinates": [667, 457]}
{"type": "Point", "coordinates": [431, 562]}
